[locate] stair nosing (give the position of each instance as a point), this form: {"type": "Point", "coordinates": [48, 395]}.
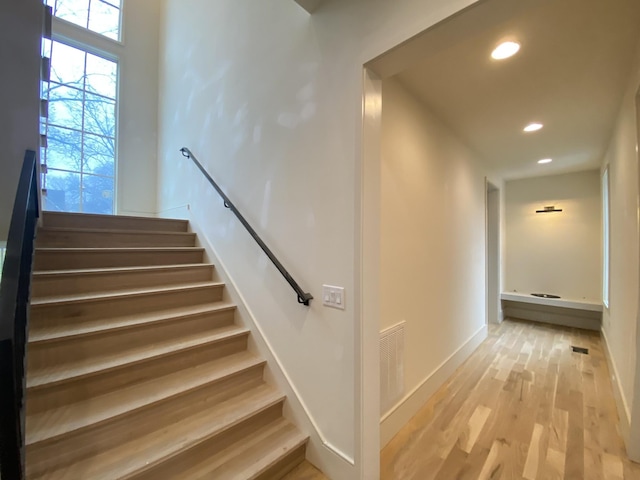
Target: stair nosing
{"type": "Point", "coordinates": [242, 365]}
{"type": "Point", "coordinates": [174, 315]}
{"type": "Point", "coordinates": [115, 249]}
{"type": "Point", "coordinates": [299, 440]}
{"type": "Point", "coordinates": [295, 443]}
{"type": "Point", "coordinates": [111, 270]}
{"type": "Point", "coordinates": [109, 216]}
{"type": "Point", "coordinates": [44, 302]}
{"type": "Point", "coordinates": [268, 442]}
{"type": "Point", "coordinates": [232, 334]}
{"type": "Point", "coordinates": [115, 231]}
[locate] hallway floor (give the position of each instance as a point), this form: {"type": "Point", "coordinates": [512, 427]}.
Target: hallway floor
{"type": "Point", "coordinates": [523, 406]}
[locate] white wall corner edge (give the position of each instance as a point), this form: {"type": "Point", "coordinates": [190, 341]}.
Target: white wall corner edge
{"type": "Point", "coordinates": [309, 5]}
{"type": "Point", "coordinates": [333, 462]}
{"type": "Point", "coordinates": [399, 415]}
{"type": "Point", "coordinates": [624, 413]}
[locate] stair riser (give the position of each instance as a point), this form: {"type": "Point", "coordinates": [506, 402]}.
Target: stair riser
{"type": "Point", "coordinates": [93, 440]}
{"type": "Point", "coordinates": [96, 346]}
{"type": "Point", "coordinates": [173, 467]}
{"type": "Point", "coordinates": [61, 260]}
{"type": "Point", "coordinates": [285, 465]}
{"type": "Point", "coordinates": [65, 220]}
{"type": "Point", "coordinates": [75, 390]}
{"type": "Point", "coordinates": [78, 283]}
{"type": "Point", "coordinates": [93, 239]}
{"type": "Point", "coordinates": [74, 313]}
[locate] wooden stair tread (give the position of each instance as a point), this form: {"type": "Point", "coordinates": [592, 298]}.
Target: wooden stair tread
{"type": "Point", "coordinates": [112, 231]}
{"type": "Point", "coordinates": [63, 219]}
{"type": "Point", "coordinates": [116, 249]}
{"type": "Point", "coordinates": [167, 441]}
{"type": "Point", "coordinates": [45, 333]}
{"type": "Point", "coordinates": [112, 295]}
{"type": "Point", "coordinates": [250, 458]}
{"type": "Point", "coordinates": [109, 270]}
{"type": "Point", "coordinates": [245, 459]}
{"type": "Point", "coordinates": [60, 373]}
{"type": "Point", "coordinates": [111, 237]}
{"type": "Point", "coordinates": [52, 423]}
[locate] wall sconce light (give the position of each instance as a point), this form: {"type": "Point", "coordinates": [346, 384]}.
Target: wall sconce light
{"type": "Point", "coordinates": [549, 209]}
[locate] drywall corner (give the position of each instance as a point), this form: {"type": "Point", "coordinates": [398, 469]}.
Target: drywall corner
{"type": "Point", "coordinates": [309, 5]}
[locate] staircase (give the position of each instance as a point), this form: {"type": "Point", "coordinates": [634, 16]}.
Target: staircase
{"type": "Point", "coordinates": [136, 369]}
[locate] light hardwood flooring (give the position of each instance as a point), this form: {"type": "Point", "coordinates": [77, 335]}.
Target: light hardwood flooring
{"type": "Point", "coordinates": [523, 406]}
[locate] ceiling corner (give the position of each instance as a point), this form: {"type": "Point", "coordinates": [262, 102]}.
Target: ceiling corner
{"type": "Point", "coordinates": [309, 5]}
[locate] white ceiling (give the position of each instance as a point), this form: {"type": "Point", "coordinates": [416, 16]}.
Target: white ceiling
{"type": "Point", "coordinates": [570, 74]}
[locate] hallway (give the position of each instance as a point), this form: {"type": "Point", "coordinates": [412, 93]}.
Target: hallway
{"type": "Point", "coordinates": [522, 406]}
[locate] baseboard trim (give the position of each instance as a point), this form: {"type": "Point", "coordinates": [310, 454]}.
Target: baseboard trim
{"type": "Point", "coordinates": [295, 404]}
{"type": "Point", "coordinates": [400, 414]}
{"type": "Point", "coordinates": [135, 213]}
{"type": "Point", "coordinates": [624, 413]}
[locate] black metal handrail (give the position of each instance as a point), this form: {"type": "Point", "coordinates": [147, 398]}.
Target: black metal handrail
{"type": "Point", "coordinates": [14, 319]}
{"type": "Point", "coordinates": [303, 297]}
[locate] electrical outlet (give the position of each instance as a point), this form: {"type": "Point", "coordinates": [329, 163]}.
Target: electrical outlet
{"type": "Point", "coordinates": [333, 296]}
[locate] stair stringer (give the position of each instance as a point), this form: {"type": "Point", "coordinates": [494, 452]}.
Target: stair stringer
{"type": "Point", "coordinates": [320, 452]}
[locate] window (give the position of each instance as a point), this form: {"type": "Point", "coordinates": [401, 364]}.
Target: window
{"type": "Point", "coordinates": [605, 237]}
{"type": "Point", "coordinates": [99, 16]}
{"type": "Point", "coordinates": [81, 131]}
{"type": "Point", "coordinates": [81, 127]}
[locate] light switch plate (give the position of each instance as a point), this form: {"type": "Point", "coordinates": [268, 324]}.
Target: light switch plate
{"type": "Point", "coordinates": [333, 296]}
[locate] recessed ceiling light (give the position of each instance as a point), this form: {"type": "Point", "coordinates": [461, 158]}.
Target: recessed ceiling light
{"type": "Point", "coordinates": [545, 160]}
{"type": "Point", "coordinates": [533, 127]}
{"type": "Point", "coordinates": [505, 50]}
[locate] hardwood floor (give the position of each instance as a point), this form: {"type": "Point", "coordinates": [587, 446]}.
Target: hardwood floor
{"type": "Point", "coordinates": [523, 406]}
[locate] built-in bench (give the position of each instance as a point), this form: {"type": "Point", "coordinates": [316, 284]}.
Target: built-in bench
{"type": "Point", "coordinates": [558, 311]}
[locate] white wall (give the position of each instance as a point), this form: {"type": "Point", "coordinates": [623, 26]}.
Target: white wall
{"type": "Point", "coordinates": [20, 34]}
{"type": "Point", "coordinates": [137, 163]}
{"type": "Point", "coordinates": [620, 320]}
{"type": "Point", "coordinates": [560, 252]}
{"type": "Point", "coordinates": [270, 100]}
{"type": "Point", "coordinates": [433, 246]}
{"type": "Point", "coordinates": [138, 140]}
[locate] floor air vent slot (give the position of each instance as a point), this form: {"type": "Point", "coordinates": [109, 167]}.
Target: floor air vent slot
{"type": "Point", "coordinates": [580, 350]}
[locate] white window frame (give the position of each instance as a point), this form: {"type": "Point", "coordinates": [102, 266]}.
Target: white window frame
{"type": "Point", "coordinates": [62, 25]}
{"type": "Point", "coordinates": [97, 44]}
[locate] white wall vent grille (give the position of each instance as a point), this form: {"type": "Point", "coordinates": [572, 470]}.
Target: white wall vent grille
{"type": "Point", "coordinates": [391, 366]}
